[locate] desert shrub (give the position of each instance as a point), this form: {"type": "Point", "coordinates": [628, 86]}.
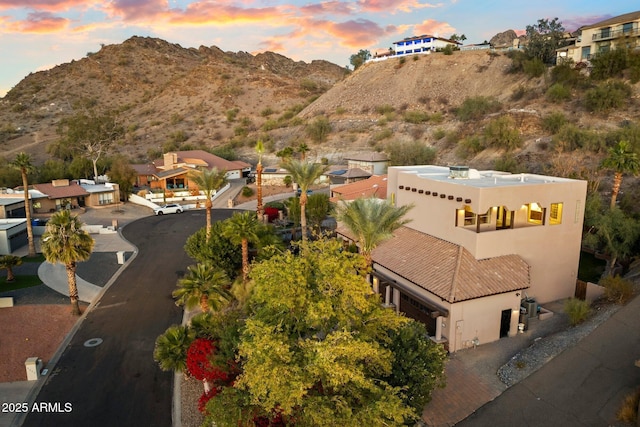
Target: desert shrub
{"type": "Point", "coordinates": [606, 65]}
{"type": "Point", "coordinates": [570, 138]}
{"type": "Point", "coordinates": [341, 110]}
{"type": "Point", "coordinates": [508, 163]}
{"type": "Point", "coordinates": [439, 133]}
{"type": "Point", "coordinates": [558, 93]}
{"type": "Point", "coordinates": [476, 107]}
{"type": "Point", "coordinates": [231, 114]}
{"type": "Point", "coordinates": [247, 191]}
{"type": "Point", "coordinates": [385, 109]}
{"type": "Point", "coordinates": [266, 112]}
{"type": "Point", "coordinates": [416, 57]}
{"type": "Point", "coordinates": [553, 122]}
{"type": "Point", "coordinates": [607, 96]}
{"type": "Point", "coordinates": [519, 93]}
{"type": "Point", "coordinates": [19, 108]}
{"type": "Point", "coordinates": [437, 118]}
{"type": "Point", "coordinates": [617, 289]}
{"type": "Point", "coordinates": [270, 124]}
{"type": "Point", "coordinates": [225, 151]}
{"type": "Point", "coordinates": [577, 310]}
{"type": "Point", "coordinates": [502, 132]}
{"type": "Point", "coordinates": [309, 85]}
{"type": "Point", "coordinates": [628, 412]}
{"type": "Point", "coordinates": [410, 153]}
{"type": "Point", "coordinates": [469, 147]}
{"type": "Point", "coordinates": [416, 117]}
{"type": "Point", "coordinates": [518, 58]}
{"type": "Point", "coordinates": [319, 129]}
{"type": "Point", "coordinates": [534, 67]}
{"type": "Point", "coordinates": [448, 50]}
{"type": "Point", "coordinates": [566, 75]}
{"type": "Point", "coordinates": [383, 134]}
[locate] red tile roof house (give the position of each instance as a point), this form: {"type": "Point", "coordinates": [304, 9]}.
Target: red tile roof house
{"type": "Point", "coordinates": [478, 245]}
{"type": "Point", "coordinates": [375, 186]}
{"type": "Point", "coordinates": [62, 193]}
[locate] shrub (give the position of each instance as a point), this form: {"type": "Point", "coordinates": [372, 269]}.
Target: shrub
{"type": "Point", "coordinates": [508, 163]}
{"type": "Point", "coordinates": [501, 132]}
{"type": "Point", "coordinates": [566, 75]}
{"type": "Point", "coordinates": [534, 67]}
{"type": "Point", "coordinates": [439, 133]}
{"type": "Point", "coordinates": [319, 129]}
{"type": "Point", "coordinates": [231, 114]}
{"type": "Point", "coordinates": [558, 93]}
{"type": "Point", "coordinates": [570, 138]}
{"type": "Point", "coordinates": [267, 112]}
{"type": "Point", "coordinates": [476, 107]}
{"type": "Point", "coordinates": [448, 50]}
{"type": "Point", "coordinates": [383, 134]}
{"type": "Point", "coordinates": [469, 147]}
{"type": "Point", "coordinates": [416, 117]}
{"type": "Point", "coordinates": [617, 289]}
{"type": "Point", "coordinates": [519, 93]}
{"type": "Point", "coordinates": [628, 412]}
{"type": "Point", "coordinates": [607, 96]}
{"type": "Point", "coordinates": [385, 109]}
{"type": "Point", "coordinates": [270, 125]}
{"type": "Point", "coordinates": [410, 153]}
{"type": "Point", "coordinates": [553, 122]}
{"type": "Point", "coordinates": [416, 57]}
{"type": "Point", "coordinates": [606, 65]}
{"type": "Point", "coordinates": [247, 191]}
{"type": "Point", "coordinates": [437, 118]}
{"type": "Point", "coordinates": [577, 310]}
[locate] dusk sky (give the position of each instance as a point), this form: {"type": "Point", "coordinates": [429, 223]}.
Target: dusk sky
{"type": "Point", "coordinates": [40, 34]}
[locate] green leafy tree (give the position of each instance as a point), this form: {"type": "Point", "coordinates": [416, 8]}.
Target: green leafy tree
{"type": "Point", "coordinates": [621, 159]}
{"type": "Point", "coordinates": [358, 59]}
{"type": "Point", "coordinates": [205, 285]}
{"type": "Point", "coordinates": [304, 174]}
{"type": "Point", "coordinates": [89, 135]}
{"type": "Point", "coordinates": [458, 38]}
{"type": "Point", "coordinates": [544, 38]}
{"type": "Point", "coordinates": [318, 207]}
{"type": "Point", "coordinates": [208, 181]}
{"type": "Point", "coordinates": [614, 233]}
{"type": "Point", "coordinates": [315, 347]}
{"type": "Point", "coordinates": [217, 249]}
{"type": "Point", "coordinates": [7, 262]}
{"type": "Point", "coordinates": [171, 348]}
{"type": "Point", "coordinates": [259, 151]}
{"type": "Point", "coordinates": [53, 169]}
{"type": "Point", "coordinates": [124, 175]}
{"type": "Point", "coordinates": [405, 153]}
{"type": "Point", "coordinates": [371, 221]}
{"type": "Point", "coordinates": [64, 241]}
{"type": "Point", "coordinates": [242, 228]}
{"type": "Point", "coordinates": [22, 162]}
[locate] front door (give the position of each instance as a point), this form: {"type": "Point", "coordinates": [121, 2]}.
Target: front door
{"type": "Point", "coordinates": [505, 323]}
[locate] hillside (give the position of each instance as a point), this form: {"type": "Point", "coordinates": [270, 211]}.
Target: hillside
{"type": "Point", "coordinates": [171, 97]}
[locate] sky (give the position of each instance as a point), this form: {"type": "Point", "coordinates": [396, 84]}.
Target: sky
{"type": "Point", "coordinates": [36, 35]}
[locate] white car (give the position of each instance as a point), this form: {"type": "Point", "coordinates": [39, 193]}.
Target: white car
{"type": "Point", "coordinates": [168, 209]}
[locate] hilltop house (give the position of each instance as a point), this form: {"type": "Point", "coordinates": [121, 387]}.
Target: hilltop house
{"type": "Point", "coordinates": [478, 244]}
{"type": "Point", "coordinates": [602, 37]}
{"type": "Point", "coordinates": [422, 44]}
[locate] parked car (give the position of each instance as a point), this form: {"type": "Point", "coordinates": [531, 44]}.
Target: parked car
{"type": "Point", "coordinates": [168, 209]}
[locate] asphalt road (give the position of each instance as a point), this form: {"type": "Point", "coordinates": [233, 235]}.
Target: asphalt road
{"type": "Point", "coordinates": [117, 383]}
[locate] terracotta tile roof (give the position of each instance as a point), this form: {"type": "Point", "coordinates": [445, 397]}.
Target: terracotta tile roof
{"type": "Point", "coordinates": [369, 157]}
{"type": "Point", "coordinates": [61, 192]}
{"type": "Point", "coordinates": [449, 270]}
{"type": "Point", "coordinates": [375, 186]}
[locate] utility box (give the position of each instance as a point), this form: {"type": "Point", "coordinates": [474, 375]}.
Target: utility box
{"type": "Point", "coordinates": [120, 255]}
{"type": "Point", "coordinates": [33, 365]}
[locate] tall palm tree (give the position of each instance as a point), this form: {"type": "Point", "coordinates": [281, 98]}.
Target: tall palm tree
{"type": "Point", "coordinates": [304, 174]}
{"type": "Point", "coordinates": [242, 228]}
{"type": "Point", "coordinates": [208, 181]}
{"type": "Point", "coordinates": [22, 162]}
{"type": "Point", "coordinates": [203, 284]}
{"type": "Point", "coordinates": [7, 262]}
{"type": "Point", "coordinates": [171, 348]}
{"type": "Point", "coordinates": [259, 150]}
{"type": "Point", "coordinates": [64, 241]}
{"type": "Point", "coordinates": [371, 221]}
{"type": "Point", "coordinates": [622, 159]}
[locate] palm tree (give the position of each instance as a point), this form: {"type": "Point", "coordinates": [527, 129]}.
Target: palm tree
{"type": "Point", "coordinates": [622, 160]}
{"type": "Point", "coordinates": [371, 221]}
{"type": "Point", "coordinates": [7, 262]}
{"type": "Point", "coordinates": [208, 181]}
{"type": "Point", "coordinates": [22, 162]}
{"type": "Point", "coordinates": [304, 174]}
{"type": "Point", "coordinates": [171, 348]}
{"type": "Point", "coordinates": [64, 241]}
{"type": "Point", "coordinates": [242, 228]}
{"type": "Point", "coordinates": [204, 284]}
{"type": "Point", "coordinates": [259, 150]}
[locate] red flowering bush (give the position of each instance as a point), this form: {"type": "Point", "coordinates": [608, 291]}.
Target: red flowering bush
{"type": "Point", "coordinates": [271, 212]}
{"type": "Point", "coordinates": [199, 363]}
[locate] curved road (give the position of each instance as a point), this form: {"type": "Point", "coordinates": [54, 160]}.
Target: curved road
{"type": "Point", "coordinates": [117, 383]}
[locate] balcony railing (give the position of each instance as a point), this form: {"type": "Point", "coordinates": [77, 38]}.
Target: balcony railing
{"type": "Point", "coordinates": [612, 34]}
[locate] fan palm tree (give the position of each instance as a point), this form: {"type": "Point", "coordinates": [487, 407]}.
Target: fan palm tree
{"type": "Point", "coordinates": [203, 284]}
{"type": "Point", "coordinates": [241, 229]}
{"type": "Point", "coordinates": [171, 348]}
{"type": "Point", "coordinates": [304, 174]}
{"type": "Point", "coordinates": [22, 162]}
{"type": "Point", "coordinates": [64, 241]}
{"type": "Point", "coordinates": [208, 181]}
{"type": "Point", "coordinates": [259, 150]}
{"type": "Point", "coordinates": [7, 262]}
{"type": "Point", "coordinates": [622, 160]}
{"type": "Point", "coordinates": [371, 221]}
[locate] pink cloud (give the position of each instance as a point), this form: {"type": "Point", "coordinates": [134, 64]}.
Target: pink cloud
{"type": "Point", "coordinates": [39, 22]}
{"type": "Point", "coordinates": [201, 13]}
{"type": "Point", "coordinates": [393, 5]}
{"type": "Point", "coordinates": [133, 10]}
{"type": "Point", "coordinates": [328, 7]}
{"type": "Point", "coordinates": [576, 22]}
{"type": "Point", "coordinates": [435, 28]}
{"type": "Point", "coordinates": [46, 5]}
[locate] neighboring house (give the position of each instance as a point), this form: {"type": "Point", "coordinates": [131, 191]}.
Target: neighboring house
{"type": "Point", "coordinates": [375, 163]}
{"type": "Point", "coordinates": [12, 206]}
{"type": "Point", "coordinates": [478, 243]}
{"type": "Point", "coordinates": [59, 194]}
{"type": "Point", "coordinates": [13, 235]}
{"type": "Point", "coordinates": [422, 44]}
{"type": "Point", "coordinates": [602, 37]}
{"type": "Point", "coordinates": [101, 194]}
{"type": "Point", "coordinates": [375, 186]}
{"type": "Point", "coordinates": [346, 176]}
{"type": "Point", "coordinates": [172, 171]}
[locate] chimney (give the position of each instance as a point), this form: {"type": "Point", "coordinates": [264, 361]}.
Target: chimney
{"type": "Point", "coordinates": [170, 159]}
{"type": "Point", "coordinates": [60, 182]}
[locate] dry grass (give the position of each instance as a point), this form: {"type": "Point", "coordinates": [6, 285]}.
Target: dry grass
{"type": "Point", "coordinates": [628, 412]}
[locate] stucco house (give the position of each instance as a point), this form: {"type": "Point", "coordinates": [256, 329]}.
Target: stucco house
{"type": "Point", "coordinates": [602, 37]}
{"type": "Point", "coordinates": [12, 205]}
{"type": "Point", "coordinates": [421, 44]}
{"type": "Point", "coordinates": [375, 186]}
{"type": "Point", "coordinates": [13, 235]}
{"type": "Point", "coordinates": [479, 242]}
